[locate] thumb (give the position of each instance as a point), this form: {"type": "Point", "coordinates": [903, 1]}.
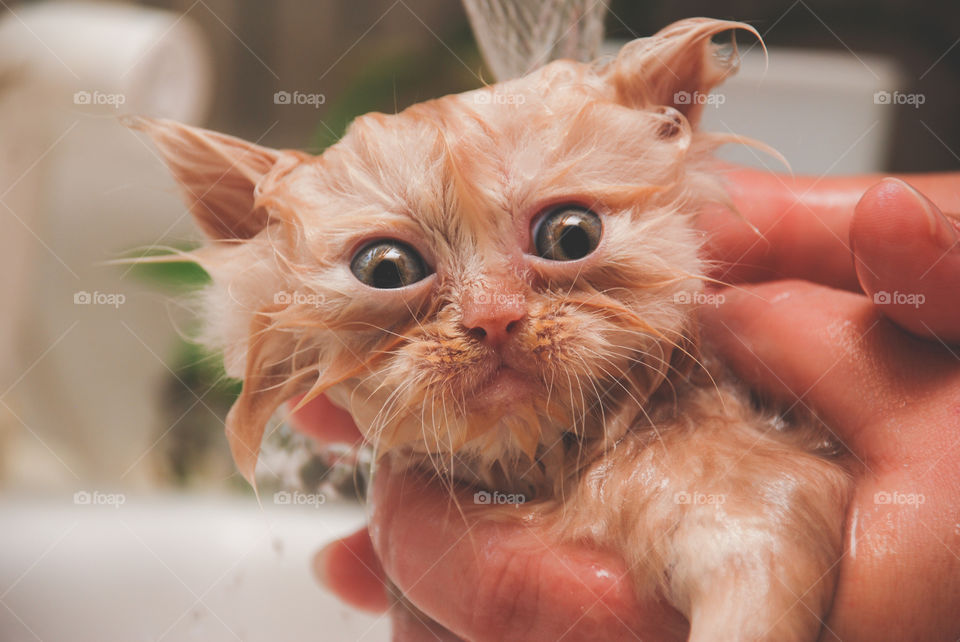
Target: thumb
{"type": "Point", "coordinates": [907, 257]}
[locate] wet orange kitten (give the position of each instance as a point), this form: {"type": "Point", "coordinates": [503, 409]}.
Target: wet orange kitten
{"type": "Point", "coordinates": [501, 285]}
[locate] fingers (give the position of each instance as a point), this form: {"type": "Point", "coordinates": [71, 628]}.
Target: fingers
{"type": "Point", "coordinates": [488, 579]}
{"type": "Point", "coordinates": [901, 555]}
{"type": "Point", "coordinates": [781, 223]}
{"type": "Point", "coordinates": [907, 257]}
{"type": "Point", "coordinates": [810, 345]}
{"type": "Point", "coordinates": [410, 625]}
{"type": "Point", "coordinates": [351, 570]}
{"type": "Point", "coordinates": [324, 421]}
{"type": "Point", "coordinates": [797, 227]}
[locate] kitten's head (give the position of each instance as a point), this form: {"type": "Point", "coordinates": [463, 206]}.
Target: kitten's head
{"type": "Point", "coordinates": [487, 275]}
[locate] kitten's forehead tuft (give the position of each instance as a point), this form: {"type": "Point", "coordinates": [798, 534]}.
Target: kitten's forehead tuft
{"type": "Point", "coordinates": [468, 171]}
{"type": "Point", "coordinates": [478, 151]}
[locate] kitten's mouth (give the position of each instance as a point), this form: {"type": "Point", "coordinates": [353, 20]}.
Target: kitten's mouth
{"type": "Point", "coordinates": [504, 387]}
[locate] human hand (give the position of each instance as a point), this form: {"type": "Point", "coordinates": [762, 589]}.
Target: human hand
{"type": "Point", "coordinates": [800, 342]}
{"type": "Point", "coordinates": [893, 399]}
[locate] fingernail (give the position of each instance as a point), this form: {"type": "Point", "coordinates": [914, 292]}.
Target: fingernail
{"type": "Point", "coordinates": [942, 230]}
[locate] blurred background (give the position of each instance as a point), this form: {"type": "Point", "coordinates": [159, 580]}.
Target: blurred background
{"type": "Point", "coordinates": [114, 471]}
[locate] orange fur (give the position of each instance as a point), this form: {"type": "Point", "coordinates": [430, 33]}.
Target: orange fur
{"type": "Point", "coordinates": [622, 421]}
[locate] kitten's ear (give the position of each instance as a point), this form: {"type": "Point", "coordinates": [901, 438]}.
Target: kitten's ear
{"type": "Point", "coordinates": [275, 371]}
{"type": "Point", "coordinates": [268, 381]}
{"type": "Point", "coordinates": [219, 175]}
{"type": "Point", "coordinates": [676, 67]}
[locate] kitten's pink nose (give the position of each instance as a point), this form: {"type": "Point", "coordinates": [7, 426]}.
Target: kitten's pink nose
{"type": "Point", "coordinates": [493, 318]}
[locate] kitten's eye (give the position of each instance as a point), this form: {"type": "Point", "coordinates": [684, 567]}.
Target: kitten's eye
{"type": "Point", "coordinates": [567, 234]}
{"type": "Point", "coordinates": [388, 264]}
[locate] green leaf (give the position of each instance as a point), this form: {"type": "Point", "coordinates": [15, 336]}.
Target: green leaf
{"type": "Point", "coordinates": [181, 276]}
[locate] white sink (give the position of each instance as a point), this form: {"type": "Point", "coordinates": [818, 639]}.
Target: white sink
{"type": "Point", "coordinates": [171, 568]}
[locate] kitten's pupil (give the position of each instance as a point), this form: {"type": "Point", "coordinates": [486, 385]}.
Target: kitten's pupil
{"type": "Point", "coordinates": [567, 234]}
{"type": "Point", "coordinates": [574, 242]}
{"type": "Point", "coordinates": [388, 264]}
{"type": "Point", "coordinates": [387, 275]}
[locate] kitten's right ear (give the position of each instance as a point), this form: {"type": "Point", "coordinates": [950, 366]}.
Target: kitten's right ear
{"type": "Point", "coordinates": [676, 67]}
{"type": "Point", "coordinates": [219, 174]}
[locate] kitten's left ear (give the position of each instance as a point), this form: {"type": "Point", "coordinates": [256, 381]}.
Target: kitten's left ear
{"type": "Point", "coordinates": [219, 174]}
{"type": "Point", "coordinates": [676, 67]}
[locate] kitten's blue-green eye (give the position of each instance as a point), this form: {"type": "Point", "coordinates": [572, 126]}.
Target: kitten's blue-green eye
{"type": "Point", "coordinates": [388, 264]}
{"type": "Point", "coordinates": [567, 234]}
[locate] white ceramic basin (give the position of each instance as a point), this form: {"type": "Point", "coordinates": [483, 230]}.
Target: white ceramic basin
{"type": "Point", "coordinates": [171, 568]}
